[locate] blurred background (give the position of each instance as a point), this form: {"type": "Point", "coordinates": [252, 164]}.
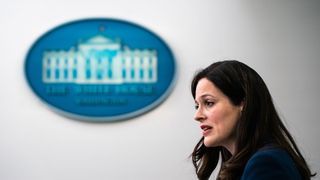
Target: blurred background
{"type": "Point", "coordinates": [279, 39]}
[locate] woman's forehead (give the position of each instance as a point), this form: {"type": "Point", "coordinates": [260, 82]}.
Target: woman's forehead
{"type": "Point", "coordinates": [206, 88]}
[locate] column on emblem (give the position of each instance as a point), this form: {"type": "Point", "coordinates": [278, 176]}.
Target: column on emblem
{"type": "Point", "coordinates": [80, 70]}
{"type": "Point", "coordinates": [74, 68]}
{"type": "Point", "coordinates": [46, 68]}
{"type": "Point", "coordinates": [136, 66]}
{"type": "Point", "coordinates": [144, 67]}
{"type": "Point", "coordinates": [153, 67]}
{"type": "Point", "coordinates": [117, 68]}
{"type": "Point", "coordinates": [99, 69]}
{"type": "Point", "coordinates": [110, 68]}
{"type": "Point", "coordinates": [59, 67]}
{"type": "Point", "coordinates": [88, 68]}
{"type": "Point", "coordinates": [70, 66]}
{"type": "Point", "coordinates": [127, 68]}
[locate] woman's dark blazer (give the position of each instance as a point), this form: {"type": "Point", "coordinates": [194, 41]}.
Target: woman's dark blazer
{"type": "Point", "coordinates": [271, 163]}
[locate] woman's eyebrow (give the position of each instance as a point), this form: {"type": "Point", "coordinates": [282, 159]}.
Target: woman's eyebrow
{"type": "Point", "coordinates": [205, 96]}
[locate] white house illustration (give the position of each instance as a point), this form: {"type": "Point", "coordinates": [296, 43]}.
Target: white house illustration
{"type": "Point", "coordinates": [100, 60]}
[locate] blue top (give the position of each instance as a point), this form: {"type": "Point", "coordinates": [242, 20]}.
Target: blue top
{"type": "Point", "coordinates": [271, 163]}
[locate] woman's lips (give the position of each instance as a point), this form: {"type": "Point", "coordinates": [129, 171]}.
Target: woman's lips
{"type": "Point", "coordinates": [205, 129]}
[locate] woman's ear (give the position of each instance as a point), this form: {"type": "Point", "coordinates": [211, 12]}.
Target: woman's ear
{"type": "Point", "coordinates": [241, 106]}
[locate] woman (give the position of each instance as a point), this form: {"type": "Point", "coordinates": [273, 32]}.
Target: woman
{"type": "Point", "coordinates": [238, 120]}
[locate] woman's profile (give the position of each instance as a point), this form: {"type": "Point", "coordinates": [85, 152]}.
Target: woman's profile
{"type": "Point", "coordinates": [238, 120]}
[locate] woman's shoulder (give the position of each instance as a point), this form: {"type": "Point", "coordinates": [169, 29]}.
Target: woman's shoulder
{"type": "Point", "coordinates": [271, 162]}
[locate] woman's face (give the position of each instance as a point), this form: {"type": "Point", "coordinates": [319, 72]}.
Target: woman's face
{"type": "Point", "coordinates": [216, 114]}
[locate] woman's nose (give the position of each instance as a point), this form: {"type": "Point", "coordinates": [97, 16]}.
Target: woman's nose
{"type": "Point", "coordinates": [199, 116]}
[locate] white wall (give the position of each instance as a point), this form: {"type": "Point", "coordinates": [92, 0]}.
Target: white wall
{"type": "Point", "coordinates": [280, 39]}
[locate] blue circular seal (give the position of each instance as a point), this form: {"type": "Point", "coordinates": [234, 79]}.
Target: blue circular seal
{"type": "Point", "coordinates": [100, 69]}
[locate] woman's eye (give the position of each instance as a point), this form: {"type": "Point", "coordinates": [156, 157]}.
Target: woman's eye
{"type": "Point", "coordinates": [209, 103]}
{"type": "Point", "coordinates": [196, 106]}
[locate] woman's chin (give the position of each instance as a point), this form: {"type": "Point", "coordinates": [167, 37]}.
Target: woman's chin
{"type": "Point", "coordinates": [209, 143]}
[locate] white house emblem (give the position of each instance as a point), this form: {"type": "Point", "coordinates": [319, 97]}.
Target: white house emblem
{"type": "Point", "coordinates": [114, 74]}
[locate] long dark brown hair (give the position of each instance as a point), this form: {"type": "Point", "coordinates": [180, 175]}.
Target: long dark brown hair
{"type": "Point", "coordinates": [259, 123]}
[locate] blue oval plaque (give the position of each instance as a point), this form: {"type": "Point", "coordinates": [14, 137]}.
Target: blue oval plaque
{"type": "Point", "coordinates": [100, 69]}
